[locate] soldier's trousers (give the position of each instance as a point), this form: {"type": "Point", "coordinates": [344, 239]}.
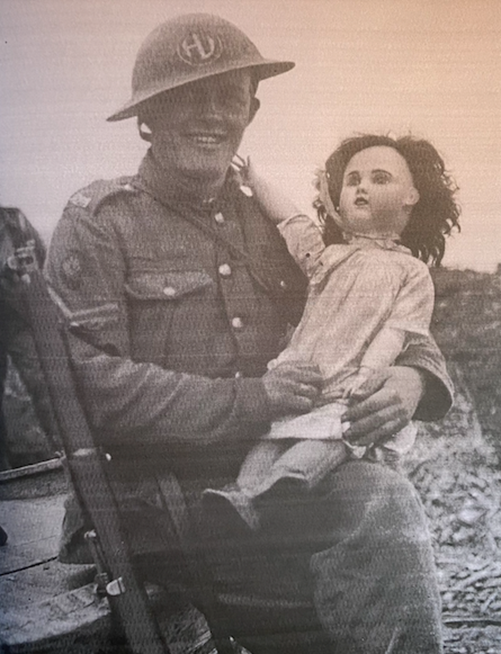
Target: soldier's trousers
{"type": "Point", "coordinates": [347, 569]}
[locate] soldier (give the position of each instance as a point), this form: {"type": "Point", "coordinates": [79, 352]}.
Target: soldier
{"type": "Point", "coordinates": [16, 339]}
{"type": "Point", "coordinates": [179, 291]}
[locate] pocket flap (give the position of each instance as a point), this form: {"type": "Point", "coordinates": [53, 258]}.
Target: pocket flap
{"type": "Point", "coordinates": [166, 285]}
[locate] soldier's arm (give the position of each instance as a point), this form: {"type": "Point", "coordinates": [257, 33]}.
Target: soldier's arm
{"type": "Point", "coordinates": [424, 355]}
{"type": "Point", "coordinates": [126, 399]}
{"type": "Point", "coordinates": [415, 308]}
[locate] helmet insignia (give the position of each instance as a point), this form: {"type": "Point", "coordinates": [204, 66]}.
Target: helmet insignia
{"type": "Point", "coordinates": [199, 48]}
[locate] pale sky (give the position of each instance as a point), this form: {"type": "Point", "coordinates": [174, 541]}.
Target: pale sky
{"type": "Point", "coordinates": [430, 67]}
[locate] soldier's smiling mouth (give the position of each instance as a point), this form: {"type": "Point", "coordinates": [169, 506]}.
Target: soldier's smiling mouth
{"type": "Point", "coordinates": [207, 138]}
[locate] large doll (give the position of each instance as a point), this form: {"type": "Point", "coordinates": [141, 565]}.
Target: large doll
{"type": "Point", "coordinates": [385, 206]}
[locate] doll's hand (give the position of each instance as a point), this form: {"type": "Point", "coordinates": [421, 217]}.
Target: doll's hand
{"type": "Point", "coordinates": [243, 169]}
{"type": "Point", "coordinates": [275, 203]}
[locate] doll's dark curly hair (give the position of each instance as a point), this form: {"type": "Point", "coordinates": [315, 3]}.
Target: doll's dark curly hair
{"type": "Point", "coordinates": [433, 217]}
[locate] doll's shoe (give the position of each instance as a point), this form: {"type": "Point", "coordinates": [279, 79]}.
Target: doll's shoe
{"type": "Point", "coordinates": [286, 489]}
{"type": "Point", "coordinates": [231, 503]}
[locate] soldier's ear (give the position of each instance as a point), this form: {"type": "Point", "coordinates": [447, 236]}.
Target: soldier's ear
{"type": "Point", "coordinates": [255, 104]}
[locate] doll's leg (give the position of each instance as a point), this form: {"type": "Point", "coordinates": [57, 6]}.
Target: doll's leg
{"type": "Point", "coordinates": [306, 463]}
{"type": "Point", "coordinates": [253, 477]}
{"type": "Point", "coordinates": [259, 463]}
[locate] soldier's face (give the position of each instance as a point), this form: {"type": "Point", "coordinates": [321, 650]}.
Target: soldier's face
{"type": "Point", "coordinates": [197, 128]}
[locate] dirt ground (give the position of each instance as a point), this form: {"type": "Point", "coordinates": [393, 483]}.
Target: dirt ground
{"type": "Point", "coordinates": [459, 477]}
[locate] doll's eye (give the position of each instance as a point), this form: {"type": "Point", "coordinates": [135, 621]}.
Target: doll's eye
{"type": "Point", "coordinates": [381, 177]}
{"type": "Point", "coordinates": [352, 179]}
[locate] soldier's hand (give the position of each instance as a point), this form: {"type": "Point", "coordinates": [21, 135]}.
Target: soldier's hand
{"type": "Point", "coordinates": [383, 405]}
{"type": "Point", "coordinates": [292, 387]}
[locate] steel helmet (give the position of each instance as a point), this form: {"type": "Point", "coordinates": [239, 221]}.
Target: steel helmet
{"type": "Point", "coordinates": [189, 48]}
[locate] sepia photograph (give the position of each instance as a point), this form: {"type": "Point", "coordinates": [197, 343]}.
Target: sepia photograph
{"type": "Point", "coordinates": [250, 327]}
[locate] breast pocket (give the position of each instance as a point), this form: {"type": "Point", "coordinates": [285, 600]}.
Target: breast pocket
{"type": "Point", "coordinates": [153, 297]}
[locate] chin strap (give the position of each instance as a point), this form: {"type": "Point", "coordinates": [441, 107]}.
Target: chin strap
{"type": "Point", "coordinates": [145, 135]}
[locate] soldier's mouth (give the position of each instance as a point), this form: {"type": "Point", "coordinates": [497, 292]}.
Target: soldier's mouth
{"type": "Point", "coordinates": [361, 202]}
{"type": "Point", "coordinates": [207, 139]}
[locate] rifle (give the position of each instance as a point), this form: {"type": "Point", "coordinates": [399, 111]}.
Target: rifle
{"type": "Point", "coordinates": [86, 463]}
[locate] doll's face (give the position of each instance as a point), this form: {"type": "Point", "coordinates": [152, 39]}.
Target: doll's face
{"type": "Point", "coordinates": [378, 193]}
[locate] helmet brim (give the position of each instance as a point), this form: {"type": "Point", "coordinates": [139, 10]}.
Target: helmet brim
{"type": "Point", "coordinates": [268, 68]}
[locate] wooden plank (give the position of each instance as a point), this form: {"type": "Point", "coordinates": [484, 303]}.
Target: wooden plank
{"type": "Point", "coordinates": [30, 470]}
{"type": "Point", "coordinates": [76, 612]}
{"type": "Point", "coordinates": [33, 527]}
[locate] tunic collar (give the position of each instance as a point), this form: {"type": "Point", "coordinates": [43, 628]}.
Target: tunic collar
{"type": "Point", "coordinates": [152, 179]}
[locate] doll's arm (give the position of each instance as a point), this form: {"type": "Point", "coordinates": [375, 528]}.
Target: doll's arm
{"type": "Point", "coordinates": [384, 349]}
{"type": "Point", "coordinates": [411, 314]}
{"type": "Point", "coordinates": [274, 202]}
{"type": "Point", "coordinates": [303, 237]}
{"type": "Point", "coordinates": [381, 353]}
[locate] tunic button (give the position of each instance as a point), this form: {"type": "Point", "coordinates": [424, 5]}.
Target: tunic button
{"type": "Point", "coordinates": [237, 322]}
{"type": "Point", "coordinates": [283, 284]}
{"type": "Point", "coordinates": [169, 291]}
{"type": "Point", "coordinates": [246, 190]}
{"type": "Point", "coordinates": [219, 218]}
{"type": "Point", "coordinates": [238, 375]}
{"type": "Point", "coordinates": [224, 270]}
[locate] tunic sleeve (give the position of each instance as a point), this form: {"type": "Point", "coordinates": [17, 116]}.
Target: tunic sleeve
{"type": "Point", "coordinates": [412, 312]}
{"type": "Point", "coordinates": [130, 401]}
{"type": "Point", "coordinates": [304, 242]}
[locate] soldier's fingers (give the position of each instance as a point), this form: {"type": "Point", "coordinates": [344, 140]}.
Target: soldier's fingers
{"type": "Point", "coordinates": [308, 374]}
{"type": "Point", "coordinates": [376, 429]}
{"type": "Point", "coordinates": [370, 424]}
{"type": "Point", "coordinates": [380, 435]}
{"type": "Point", "coordinates": [370, 386]}
{"type": "Point", "coordinates": [382, 401]}
{"type": "Point", "coordinates": [306, 390]}
{"type": "Point", "coordinates": [300, 404]}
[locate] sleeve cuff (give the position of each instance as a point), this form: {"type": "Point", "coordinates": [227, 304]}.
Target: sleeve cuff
{"type": "Point", "coordinates": [439, 393]}
{"type": "Point", "coordinates": [253, 402]}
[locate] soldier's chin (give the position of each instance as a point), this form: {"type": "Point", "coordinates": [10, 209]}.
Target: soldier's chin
{"type": "Point", "coordinates": [209, 167]}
